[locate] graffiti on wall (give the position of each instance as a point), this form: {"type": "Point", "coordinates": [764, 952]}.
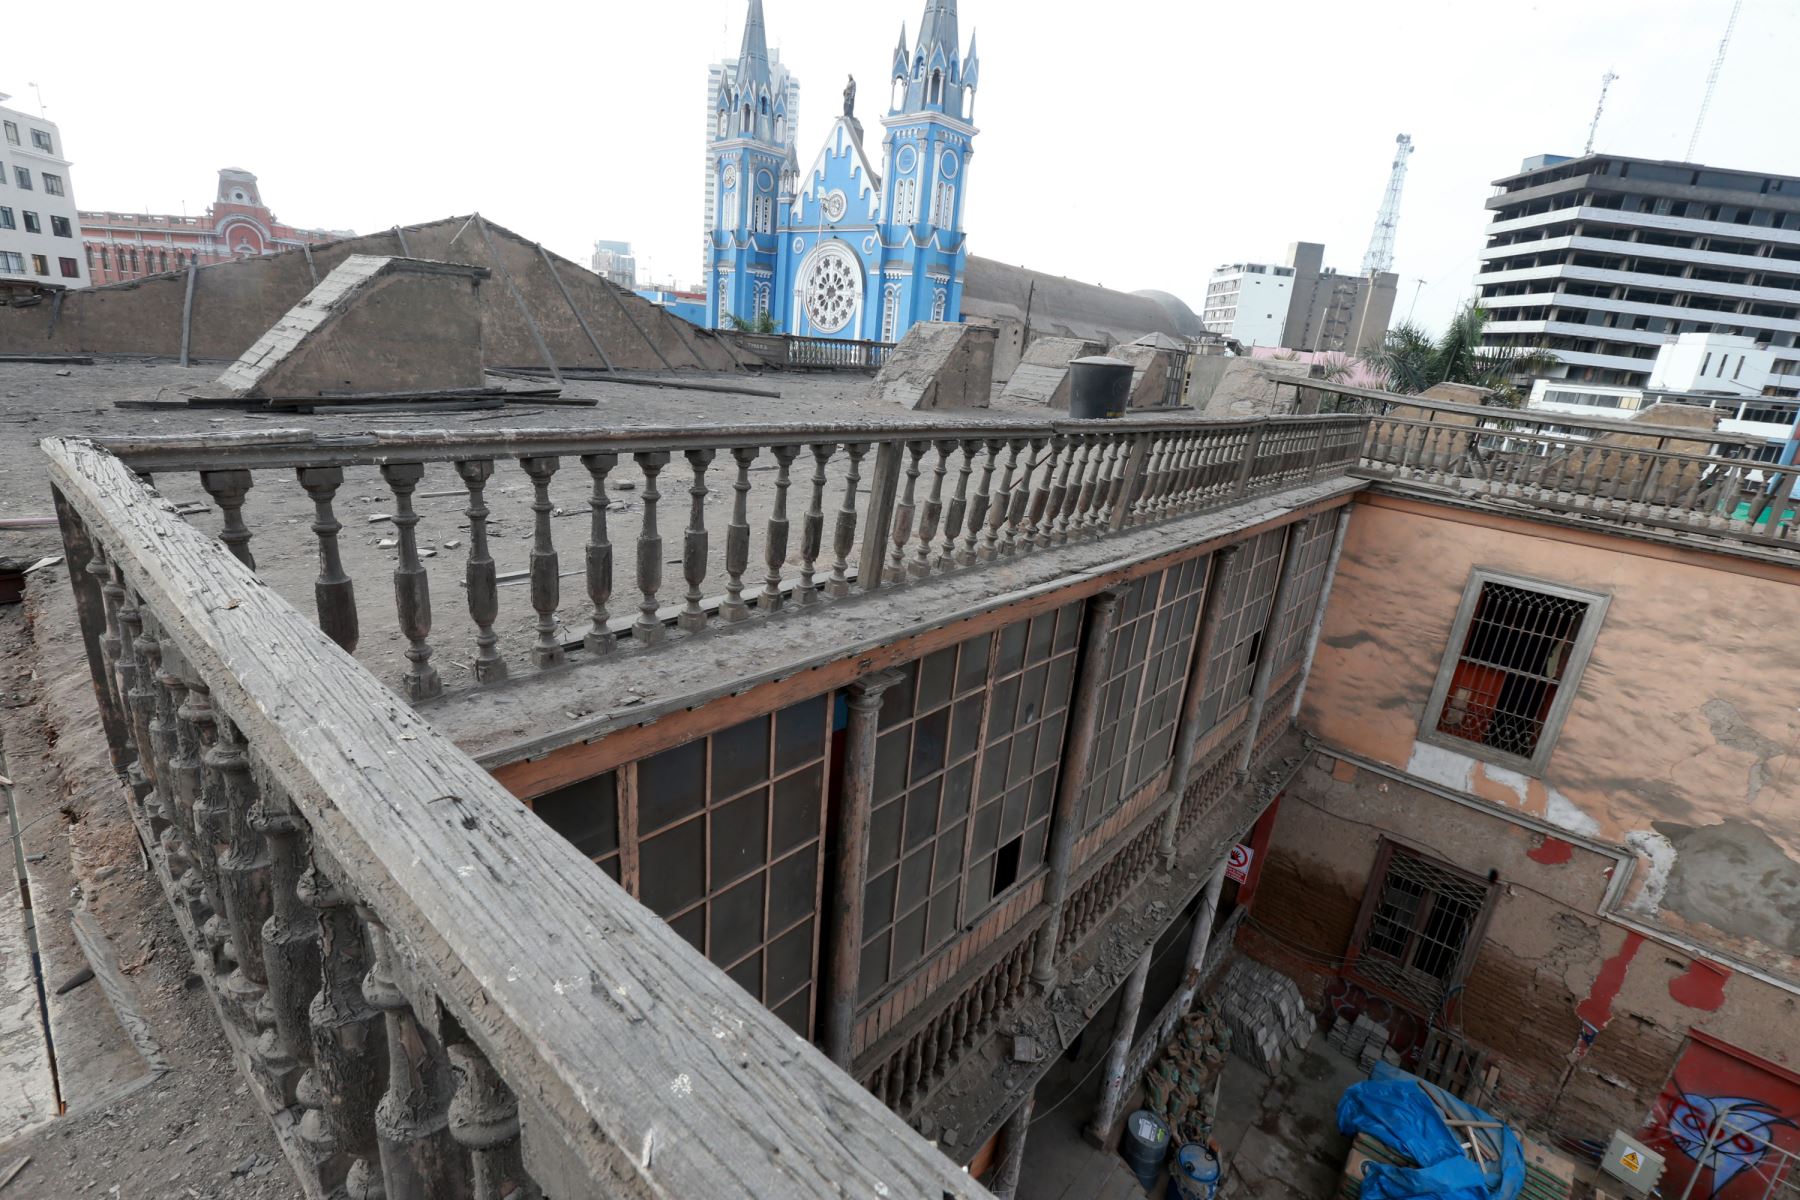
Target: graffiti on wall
{"type": "Point", "coordinates": [1347, 999]}
{"type": "Point", "coordinates": [1729, 1118]}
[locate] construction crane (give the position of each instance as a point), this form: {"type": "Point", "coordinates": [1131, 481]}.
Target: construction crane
{"type": "Point", "coordinates": [1712, 78]}
{"type": "Point", "coordinates": [1381, 244]}
{"type": "Point", "coordinates": [1606, 82]}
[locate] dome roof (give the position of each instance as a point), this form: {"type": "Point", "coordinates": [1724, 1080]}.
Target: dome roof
{"type": "Point", "coordinates": [1183, 318]}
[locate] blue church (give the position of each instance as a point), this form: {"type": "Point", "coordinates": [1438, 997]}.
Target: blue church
{"type": "Point", "coordinates": [841, 250]}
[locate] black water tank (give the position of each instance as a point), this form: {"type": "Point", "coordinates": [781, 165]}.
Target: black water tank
{"type": "Point", "coordinates": [1098, 387]}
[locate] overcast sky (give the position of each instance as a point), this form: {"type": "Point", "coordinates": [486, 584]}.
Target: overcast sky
{"type": "Point", "coordinates": [1135, 143]}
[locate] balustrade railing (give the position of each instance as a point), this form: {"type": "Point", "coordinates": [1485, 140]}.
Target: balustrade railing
{"type": "Point", "coordinates": [754, 521]}
{"type": "Point", "coordinates": [1612, 477]}
{"type": "Point", "coordinates": [434, 993]}
{"type": "Point", "coordinates": [794, 353]}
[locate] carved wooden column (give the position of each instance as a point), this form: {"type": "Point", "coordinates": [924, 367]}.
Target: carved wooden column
{"type": "Point", "coordinates": [334, 593]}
{"type": "Point", "coordinates": [546, 583]}
{"type": "Point", "coordinates": [1187, 727]}
{"type": "Point", "coordinates": [484, 1120]}
{"type": "Point", "coordinates": [977, 540]}
{"type": "Point", "coordinates": [851, 863]}
{"type": "Point", "coordinates": [843, 538]}
{"type": "Point", "coordinates": [1112, 1077]}
{"type": "Point", "coordinates": [812, 530]}
{"type": "Point", "coordinates": [290, 940]}
{"type": "Point", "coordinates": [208, 814]}
{"type": "Point", "coordinates": [155, 740]}
{"type": "Point", "coordinates": [178, 769]}
{"type": "Point", "coordinates": [229, 488]}
{"type": "Point", "coordinates": [479, 578]}
{"type": "Point", "coordinates": [412, 589]}
{"type": "Point", "coordinates": [903, 513]}
{"type": "Point", "coordinates": [1072, 777]}
{"type": "Point", "coordinates": [1265, 668]}
{"type": "Point", "coordinates": [131, 624]}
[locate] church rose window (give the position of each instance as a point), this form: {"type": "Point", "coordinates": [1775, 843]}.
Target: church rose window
{"type": "Point", "coordinates": [831, 290]}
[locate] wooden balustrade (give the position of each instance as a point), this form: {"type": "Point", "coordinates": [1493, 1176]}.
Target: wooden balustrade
{"type": "Point", "coordinates": [943, 498]}
{"type": "Point", "coordinates": [1096, 896]}
{"type": "Point", "coordinates": [1520, 462]}
{"type": "Point", "coordinates": [433, 992]}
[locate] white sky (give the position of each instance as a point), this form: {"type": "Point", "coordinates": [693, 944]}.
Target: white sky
{"type": "Point", "coordinates": [1135, 143]}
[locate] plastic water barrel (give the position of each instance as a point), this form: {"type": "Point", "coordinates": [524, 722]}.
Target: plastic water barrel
{"type": "Point", "coordinates": [1195, 1175]}
{"type": "Point", "coordinates": [1145, 1145]}
{"type": "Point", "coordinates": [1098, 387]}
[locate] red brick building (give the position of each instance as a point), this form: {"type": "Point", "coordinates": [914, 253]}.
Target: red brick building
{"type": "Point", "coordinates": [122, 246]}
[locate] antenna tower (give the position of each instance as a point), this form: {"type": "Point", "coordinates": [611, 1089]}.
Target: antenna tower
{"type": "Point", "coordinates": [1712, 79]}
{"type": "Point", "coordinates": [1381, 244]}
{"type": "Point", "coordinates": [1606, 82]}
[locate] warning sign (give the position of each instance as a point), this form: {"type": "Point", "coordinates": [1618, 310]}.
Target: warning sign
{"type": "Point", "coordinates": [1237, 867]}
{"type": "Point", "coordinates": [1632, 1161]}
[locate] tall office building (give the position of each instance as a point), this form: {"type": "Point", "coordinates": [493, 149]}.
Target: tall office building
{"type": "Point", "coordinates": [1603, 259]}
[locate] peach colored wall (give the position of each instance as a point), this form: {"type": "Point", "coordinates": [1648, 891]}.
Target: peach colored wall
{"type": "Point", "coordinates": [1682, 739]}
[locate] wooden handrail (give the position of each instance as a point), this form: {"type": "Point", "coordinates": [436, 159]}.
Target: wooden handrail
{"type": "Point", "coordinates": [639, 1068]}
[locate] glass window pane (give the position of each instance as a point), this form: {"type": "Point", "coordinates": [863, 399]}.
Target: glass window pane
{"type": "Point", "coordinates": [737, 920]}
{"type": "Point", "coordinates": [671, 785]}
{"type": "Point", "coordinates": [740, 829]}
{"type": "Point", "coordinates": [793, 888]}
{"type": "Point", "coordinates": [673, 868]}
{"type": "Point", "coordinates": [586, 813]}
{"type": "Point", "coordinates": [740, 758]}
{"type": "Point", "coordinates": [797, 807]}
{"type": "Point", "coordinates": [799, 734]}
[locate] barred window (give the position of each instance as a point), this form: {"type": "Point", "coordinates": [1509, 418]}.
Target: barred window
{"type": "Point", "coordinates": [1517, 650]}
{"type": "Point", "coordinates": [1420, 923]}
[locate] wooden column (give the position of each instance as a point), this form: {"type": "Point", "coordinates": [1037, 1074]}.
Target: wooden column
{"type": "Point", "coordinates": [1112, 1080]}
{"type": "Point", "coordinates": [851, 866]}
{"type": "Point", "coordinates": [1187, 729]}
{"type": "Point", "coordinates": [1012, 1150]}
{"type": "Point", "coordinates": [1072, 778]}
{"type": "Point", "coordinates": [1265, 669]}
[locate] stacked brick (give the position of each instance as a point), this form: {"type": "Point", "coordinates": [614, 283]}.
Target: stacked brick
{"type": "Point", "coordinates": [1362, 1040]}
{"type": "Point", "coordinates": [1265, 1012]}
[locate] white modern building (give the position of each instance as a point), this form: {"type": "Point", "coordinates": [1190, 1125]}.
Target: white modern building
{"type": "Point", "coordinates": [1603, 259]}
{"type": "Point", "coordinates": [40, 246]}
{"type": "Point", "coordinates": [1249, 302]}
{"type": "Point", "coordinates": [714, 73]}
{"type": "Point", "coordinates": [616, 262]}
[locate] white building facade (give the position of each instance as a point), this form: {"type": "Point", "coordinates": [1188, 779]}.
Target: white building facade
{"type": "Point", "coordinates": [40, 244]}
{"type": "Point", "coordinates": [1249, 302]}
{"type": "Point", "coordinates": [614, 261]}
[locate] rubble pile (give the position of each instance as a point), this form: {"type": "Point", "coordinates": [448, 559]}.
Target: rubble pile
{"type": "Point", "coordinates": [1265, 1012]}
{"type": "Point", "coordinates": [1182, 1087]}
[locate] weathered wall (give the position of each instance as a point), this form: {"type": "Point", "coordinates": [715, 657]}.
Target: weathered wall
{"type": "Point", "coordinates": [939, 364]}
{"type": "Point", "coordinates": [1683, 741]}
{"type": "Point", "coordinates": [1548, 961]}
{"type": "Point", "coordinates": [1042, 375]}
{"type": "Point", "coordinates": [1233, 388]}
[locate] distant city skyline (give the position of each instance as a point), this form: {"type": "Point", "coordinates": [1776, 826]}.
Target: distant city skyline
{"type": "Point", "coordinates": [1238, 171]}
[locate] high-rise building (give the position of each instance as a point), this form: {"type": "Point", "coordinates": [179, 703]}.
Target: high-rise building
{"type": "Point", "coordinates": [1329, 311]}
{"type": "Point", "coordinates": [1249, 302]}
{"type": "Point", "coordinates": [1602, 259]}
{"type": "Point", "coordinates": [38, 248]}
{"type": "Point", "coordinates": [615, 261]}
{"type": "Point", "coordinates": [786, 82]}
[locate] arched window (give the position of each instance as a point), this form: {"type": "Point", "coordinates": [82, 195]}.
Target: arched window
{"type": "Point", "coordinates": [724, 123]}
{"type": "Point", "coordinates": [105, 260]}
{"type": "Point", "coordinates": [762, 106]}
{"type": "Point", "coordinates": [936, 94]}
{"type": "Point", "coordinates": [746, 125]}
{"type": "Point", "coordinates": [890, 313]}
{"type": "Point", "coordinates": [938, 300]}
{"type": "Point", "coordinates": [762, 299]}
{"type": "Point", "coordinates": [781, 130]}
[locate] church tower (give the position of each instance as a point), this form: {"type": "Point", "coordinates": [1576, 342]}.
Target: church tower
{"type": "Point", "coordinates": [748, 157]}
{"type": "Point", "coordinates": [930, 138]}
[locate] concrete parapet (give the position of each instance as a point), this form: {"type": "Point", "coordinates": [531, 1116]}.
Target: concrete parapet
{"type": "Point", "coordinates": [940, 364]}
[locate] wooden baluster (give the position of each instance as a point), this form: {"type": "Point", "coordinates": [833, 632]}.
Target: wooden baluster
{"type": "Point", "coordinates": [915, 1070]}
{"type": "Point", "coordinates": [648, 629]}
{"type": "Point", "coordinates": [243, 867]}
{"type": "Point", "coordinates": [844, 539]}
{"type": "Point", "coordinates": [931, 513]}
{"type": "Point", "coordinates": [1096, 485]}
{"type": "Point", "coordinates": [348, 1043]}
{"type": "Point", "coordinates": [775, 542]}
{"type": "Point", "coordinates": [1143, 506]}
{"type": "Point", "coordinates": [206, 812]}
{"type": "Point", "coordinates": [998, 538]}
{"type": "Point", "coordinates": [290, 940]}
{"type": "Point", "coordinates": [131, 625]}
{"type": "Point", "coordinates": [112, 596]}
{"type": "Point", "coordinates": [1041, 478]}
{"type": "Point", "coordinates": [155, 743]}
{"type": "Point", "coordinates": [545, 565]}
{"type": "Point", "coordinates": [903, 512]}
{"type": "Point", "coordinates": [175, 758]}
{"type": "Point", "coordinates": [737, 538]}
{"type": "Point", "coordinates": [694, 543]}
{"type": "Point", "coordinates": [812, 530]}
{"type": "Point", "coordinates": [484, 1120]}
{"type": "Point", "coordinates": [479, 579]}
{"type": "Point", "coordinates": [976, 534]}
{"type": "Point", "coordinates": [412, 590]}
{"type": "Point", "coordinates": [1064, 451]}
{"type": "Point", "coordinates": [228, 488]}
{"type": "Point", "coordinates": [334, 594]}
{"type": "Point", "coordinates": [419, 1159]}
{"type": "Point", "coordinates": [958, 506]}
{"type": "Point", "coordinates": [599, 638]}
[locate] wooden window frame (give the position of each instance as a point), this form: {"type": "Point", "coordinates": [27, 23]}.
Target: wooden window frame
{"type": "Point", "coordinates": [1372, 892]}
{"type": "Point", "coordinates": [1581, 648]}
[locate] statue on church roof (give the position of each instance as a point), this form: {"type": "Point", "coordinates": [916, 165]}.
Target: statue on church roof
{"type": "Point", "coordinates": [850, 97]}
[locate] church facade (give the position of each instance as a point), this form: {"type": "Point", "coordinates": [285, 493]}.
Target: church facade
{"type": "Point", "coordinates": [841, 249]}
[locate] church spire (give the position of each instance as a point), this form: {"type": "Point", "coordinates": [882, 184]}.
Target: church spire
{"type": "Point", "coordinates": [753, 59]}
{"type": "Point", "coordinates": [935, 74]}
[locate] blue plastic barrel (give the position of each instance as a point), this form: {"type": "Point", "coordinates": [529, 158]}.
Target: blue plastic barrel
{"type": "Point", "coordinates": [1195, 1175]}
{"type": "Point", "coordinates": [1145, 1145]}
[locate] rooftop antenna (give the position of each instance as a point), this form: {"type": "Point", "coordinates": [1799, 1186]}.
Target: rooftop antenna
{"type": "Point", "coordinates": [1606, 82]}
{"type": "Point", "coordinates": [40, 96]}
{"type": "Point", "coordinates": [1381, 244]}
{"type": "Point", "coordinates": [1712, 79]}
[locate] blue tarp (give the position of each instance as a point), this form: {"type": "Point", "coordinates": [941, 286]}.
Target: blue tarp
{"type": "Point", "coordinates": [1392, 1108]}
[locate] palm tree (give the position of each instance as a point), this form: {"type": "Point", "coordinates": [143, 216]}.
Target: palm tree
{"type": "Point", "coordinates": [1413, 361]}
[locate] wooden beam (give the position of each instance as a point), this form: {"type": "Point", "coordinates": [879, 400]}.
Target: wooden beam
{"type": "Point", "coordinates": [537, 335]}
{"type": "Point", "coordinates": [570, 301]}
{"type": "Point", "coordinates": [187, 312]}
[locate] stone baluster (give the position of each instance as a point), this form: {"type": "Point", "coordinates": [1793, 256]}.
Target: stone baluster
{"type": "Point", "coordinates": [412, 590]}
{"type": "Point", "coordinates": [545, 564]}
{"type": "Point", "coordinates": [931, 512]}
{"type": "Point", "coordinates": [334, 594]}
{"type": "Point", "coordinates": [812, 530]}
{"type": "Point", "coordinates": [694, 543]}
{"type": "Point", "coordinates": [1065, 451]}
{"type": "Point", "coordinates": [737, 538]}
{"type": "Point", "coordinates": [228, 488]}
{"type": "Point", "coordinates": [484, 1120]}
{"type": "Point", "coordinates": [977, 539]}
{"type": "Point", "coordinates": [958, 505]}
{"type": "Point", "coordinates": [1003, 518]}
{"type": "Point", "coordinates": [243, 866]}
{"type": "Point", "coordinates": [348, 1043]}
{"type": "Point", "coordinates": [648, 628]}
{"type": "Point", "coordinates": [903, 512]}
{"type": "Point", "coordinates": [1035, 489]}
{"type": "Point", "coordinates": [775, 542]}
{"type": "Point", "coordinates": [599, 638]}
{"type": "Point", "coordinates": [479, 578]}
{"type": "Point", "coordinates": [419, 1158]}
{"type": "Point", "coordinates": [290, 940]}
{"type": "Point", "coordinates": [844, 538]}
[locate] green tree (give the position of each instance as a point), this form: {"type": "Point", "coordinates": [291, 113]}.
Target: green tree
{"type": "Point", "coordinates": [760, 323]}
{"type": "Point", "coordinates": [1413, 361]}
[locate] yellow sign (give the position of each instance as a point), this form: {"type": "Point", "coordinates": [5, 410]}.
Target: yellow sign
{"type": "Point", "coordinates": [1632, 1161]}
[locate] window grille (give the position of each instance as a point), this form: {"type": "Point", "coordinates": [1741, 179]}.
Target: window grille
{"type": "Point", "coordinates": [1418, 922]}
{"type": "Point", "coordinates": [1516, 652]}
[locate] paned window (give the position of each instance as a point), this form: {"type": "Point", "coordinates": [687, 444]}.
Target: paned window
{"type": "Point", "coordinates": [12, 133]}
{"type": "Point", "coordinates": [12, 262]}
{"type": "Point", "coordinates": [53, 184]}
{"type": "Point", "coordinates": [32, 224]}
{"type": "Point", "coordinates": [1140, 698]}
{"type": "Point", "coordinates": [6, 218]}
{"type": "Point", "coordinates": [1288, 635]}
{"type": "Point", "coordinates": [1516, 652]}
{"type": "Point", "coordinates": [22, 177]}
{"type": "Point", "coordinates": [1419, 927]}
{"type": "Point", "coordinates": [40, 264]}
{"type": "Point", "coordinates": [71, 269]}
{"type": "Point", "coordinates": [60, 227]}
{"type": "Point", "coordinates": [587, 815]}
{"type": "Point", "coordinates": [1248, 588]}
{"type": "Point", "coordinates": [41, 139]}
